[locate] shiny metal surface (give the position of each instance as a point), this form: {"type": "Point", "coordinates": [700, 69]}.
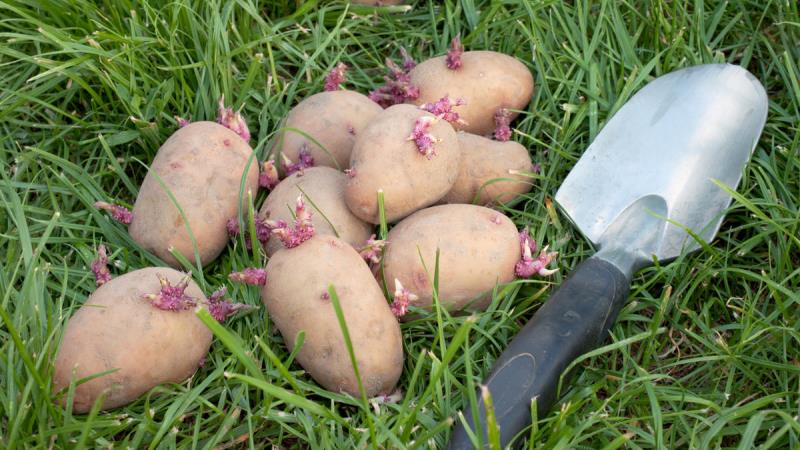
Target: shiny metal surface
{"type": "Point", "coordinates": [656, 159]}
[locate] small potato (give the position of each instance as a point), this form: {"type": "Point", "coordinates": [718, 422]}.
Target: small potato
{"type": "Point", "coordinates": [323, 190]}
{"type": "Point", "coordinates": [478, 249]}
{"type": "Point", "coordinates": [483, 163]}
{"type": "Point", "coordinates": [384, 158]}
{"type": "Point", "coordinates": [297, 299]}
{"type": "Point", "coordinates": [118, 329]}
{"type": "Point", "coordinates": [487, 81]}
{"type": "Point", "coordinates": [202, 165]}
{"type": "Point", "coordinates": [334, 119]}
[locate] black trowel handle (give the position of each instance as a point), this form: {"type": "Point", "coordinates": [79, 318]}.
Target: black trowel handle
{"type": "Point", "coordinates": [573, 321]}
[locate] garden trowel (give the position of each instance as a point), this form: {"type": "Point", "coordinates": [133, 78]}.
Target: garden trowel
{"type": "Point", "coordinates": [652, 186]}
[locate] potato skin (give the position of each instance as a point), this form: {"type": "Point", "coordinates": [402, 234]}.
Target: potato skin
{"type": "Point", "coordinates": [324, 189]}
{"type": "Point", "coordinates": [296, 298]}
{"type": "Point", "coordinates": [117, 329]}
{"type": "Point", "coordinates": [478, 248]}
{"type": "Point", "coordinates": [487, 81]}
{"type": "Point", "coordinates": [484, 161]}
{"type": "Point", "coordinates": [202, 164]}
{"type": "Point", "coordinates": [384, 158]}
{"type": "Point", "coordinates": [334, 119]}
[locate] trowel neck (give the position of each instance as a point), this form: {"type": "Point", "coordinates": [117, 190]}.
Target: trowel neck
{"type": "Point", "coordinates": [625, 260]}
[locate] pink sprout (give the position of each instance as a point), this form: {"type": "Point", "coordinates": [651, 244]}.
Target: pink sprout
{"type": "Point", "coordinates": [536, 168]}
{"type": "Point", "coordinates": [305, 161]}
{"type": "Point", "coordinates": [172, 298]}
{"type": "Point", "coordinates": [422, 138]}
{"type": "Point", "coordinates": [119, 213]}
{"type": "Point", "coordinates": [453, 58]}
{"type": "Point", "coordinates": [528, 265]}
{"type": "Point", "coordinates": [402, 298]}
{"type": "Point", "coordinates": [397, 87]}
{"type": "Point", "coordinates": [335, 77]}
{"type": "Point", "coordinates": [250, 275]}
{"type": "Point", "coordinates": [373, 250]}
{"type": "Point", "coordinates": [182, 122]}
{"type": "Point", "coordinates": [351, 173]}
{"type": "Point", "coordinates": [268, 178]}
{"type": "Point", "coordinates": [263, 231]}
{"type": "Point", "coordinates": [502, 121]}
{"type": "Point", "coordinates": [232, 120]}
{"type": "Point", "coordinates": [100, 267]}
{"type": "Point", "coordinates": [443, 109]}
{"type": "Point", "coordinates": [302, 230]}
{"type": "Point", "coordinates": [221, 308]}
{"type": "Point", "coordinates": [408, 61]}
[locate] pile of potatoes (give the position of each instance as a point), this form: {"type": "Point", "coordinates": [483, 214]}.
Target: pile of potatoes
{"type": "Point", "coordinates": [417, 153]}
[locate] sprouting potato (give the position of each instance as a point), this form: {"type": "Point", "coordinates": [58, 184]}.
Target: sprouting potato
{"type": "Point", "coordinates": [202, 165]}
{"type": "Point", "coordinates": [488, 82]}
{"type": "Point", "coordinates": [491, 172]}
{"type": "Point", "coordinates": [121, 329]}
{"type": "Point", "coordinates": [478, 249]}
{"type": "Point", "coordinates": [329, 123]}
{"type": "Point", "coordinates": [407, 153]}
{"type": "Point", "coordinates": [297, 299]}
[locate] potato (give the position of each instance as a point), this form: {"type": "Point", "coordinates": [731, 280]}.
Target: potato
{"type": "Point", "coordinates": [478, 249]}
{"type": "Point", "coordinates": [117, 328]}
{"type": "Point", "coordinates": [483, 162]}
{"type": "Point", "coordinates": [297, 299]}
{"type": "Point", "coordinates": [323, 190]}
{"type": "Point", "coordinates": [202, 165]}
{"type": "Point", "coordinates": [385, 159]}
{"type": "Point", "coordinates": [334, 119]}
{"type": "Point", "coordinates": [487, 81]}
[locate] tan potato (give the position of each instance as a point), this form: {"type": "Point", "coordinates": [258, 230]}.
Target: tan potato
{"type": "Point", "coordinates": [334, 119]}
{"type": "Point", "coordinates": [478, 249]}
{"type": "Point", "coordinates": [483, 163]}
{"type": "Point", "coordinates": [202, 165]}
{"type": "Point", "coordinates": [296, 297]}
{"type": "Point", "coordinates": [385, 159]}
{"type": "Point", "coordinates": [487, 81]}
{"type": "Point", "coordinates": [323, 189]}
{"type": "Point", "coordinates": [119, 329]}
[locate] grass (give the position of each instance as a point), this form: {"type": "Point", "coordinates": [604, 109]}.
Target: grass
{"type": "Point", "coordinates": [706, 354]}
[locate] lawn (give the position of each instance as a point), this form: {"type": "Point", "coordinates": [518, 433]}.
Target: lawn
{"type": "Point", "coordinates": [706, 353]}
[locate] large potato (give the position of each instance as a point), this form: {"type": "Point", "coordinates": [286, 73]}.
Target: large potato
{"type": "Point", "coordinates": [296, 297]}
{"type": "Point", "coordinates": [483, 163]}
{"type": "Point", "coordinates": [478, 249]}
{"type": "Point", "coordinates": [334, 119]}
{"type": "Point", "coordinates": [119, 329]}
{"type": "Point", "coordinates": [202, 165]}
{"type": "Point", "coordinates": [385, 159]}
{"type": "Point", "coordinates": [486, 80]}
{"type": "Point", "coordinates": [323, 189]}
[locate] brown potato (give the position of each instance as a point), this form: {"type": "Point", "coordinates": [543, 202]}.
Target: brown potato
{"type": "Point", "coordinates": [323, 189]}
{"type": "Point", "coordinates": [202, 165]}
{"type": "Point", "coordinates": [478, 249]}
{"type": "Point", "coordinates": [487, 81]}
{"type": "Point", "coordinates": [385, 159]}
{"type": "Point", "coordinates": [297, 299]}
{"type": "Point", "coordinates": [334, 119]}
{"type": "Point", "coordinates": [483, 163]}
{"type": "Point", "coordinates": [119, 329]}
